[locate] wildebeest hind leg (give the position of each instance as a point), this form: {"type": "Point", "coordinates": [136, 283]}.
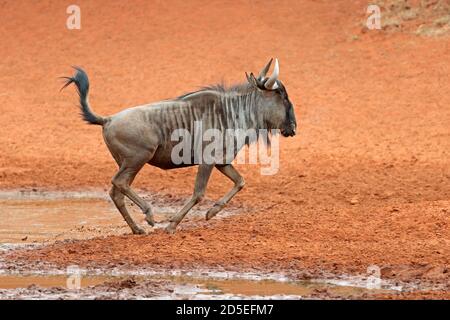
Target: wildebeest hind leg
{"type": "Point", "coordinates": [229, 171]}
{"type": "Point", "coordinates": [122, 181]}
{"type": "Point", "coordinates": [118, 199]}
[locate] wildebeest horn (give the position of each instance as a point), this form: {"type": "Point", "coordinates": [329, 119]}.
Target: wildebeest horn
{"type": "Point", "coordinates": [263, 72]}
{"type": "Point", "coordinates": [271, 82]}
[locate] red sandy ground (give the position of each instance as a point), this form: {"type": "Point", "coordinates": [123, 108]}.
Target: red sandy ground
{"type": "Point", "coordinates": [366, 180]}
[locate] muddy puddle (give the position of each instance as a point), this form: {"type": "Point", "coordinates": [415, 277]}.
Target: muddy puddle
{"type": "Point", "coordinates": [168, 287]}
{"type": "Point", "coordinates": [18, 281]}
{"type": "Point", "coordinates": [31, 217]}
{"type": "Point", "coordinates": [38, 220]}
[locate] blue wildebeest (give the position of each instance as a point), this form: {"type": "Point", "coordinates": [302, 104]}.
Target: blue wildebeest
{"type": "Point", "coordinates": [142, 135]}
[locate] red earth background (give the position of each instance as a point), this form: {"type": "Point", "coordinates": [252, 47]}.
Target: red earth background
{"type": "Point", "coordinates": [365, 181]}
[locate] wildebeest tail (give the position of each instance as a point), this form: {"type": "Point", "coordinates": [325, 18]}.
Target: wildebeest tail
{"type": "Point", "coordinates": [82, 82]}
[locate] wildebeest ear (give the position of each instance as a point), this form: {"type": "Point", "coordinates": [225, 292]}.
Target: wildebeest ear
{"type": "Point", "coordinates": [251, 79]}
{"type": "Point", "coordinates": [255, 82]}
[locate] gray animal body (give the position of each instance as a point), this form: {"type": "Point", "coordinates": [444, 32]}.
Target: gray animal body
{"type": "Point", "coordinates": [143, 135]}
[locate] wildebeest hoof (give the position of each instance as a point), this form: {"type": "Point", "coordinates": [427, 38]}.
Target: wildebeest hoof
{"type": "Point", "coordinates": [138, 230]}
{"type": "Point", "coordinates": [213, 211]}
{"type": "Point", "coordinates": [171, 228]}
{"type": "Point", "coordinates": [149, 219]}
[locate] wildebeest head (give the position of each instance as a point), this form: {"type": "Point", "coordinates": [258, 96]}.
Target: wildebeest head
{"type": "Point", "coordinates": [277, 109]}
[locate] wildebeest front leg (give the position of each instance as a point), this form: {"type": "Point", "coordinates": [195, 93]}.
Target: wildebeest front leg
{"type": "Point", "coordinates": [229, 171]}
{"type": "Point", "coordinates": [201, 181]}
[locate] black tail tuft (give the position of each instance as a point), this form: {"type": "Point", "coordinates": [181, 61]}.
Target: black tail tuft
{"type": "Point", "coordinates": [82, 82]}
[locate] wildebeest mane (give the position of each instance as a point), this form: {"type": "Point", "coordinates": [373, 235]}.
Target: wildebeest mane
{"type": "Point", "coordinates": [220, 88]}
